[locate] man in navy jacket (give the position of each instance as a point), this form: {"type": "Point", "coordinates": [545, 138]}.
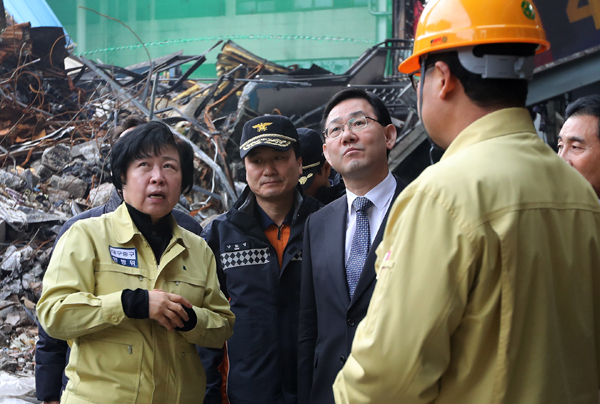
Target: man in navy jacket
{"type": "Point", "coordinates": [258, 247]}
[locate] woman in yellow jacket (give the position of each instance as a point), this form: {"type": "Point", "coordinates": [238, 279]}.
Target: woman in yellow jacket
{"type": "Point", "coordinates": [132, 291]}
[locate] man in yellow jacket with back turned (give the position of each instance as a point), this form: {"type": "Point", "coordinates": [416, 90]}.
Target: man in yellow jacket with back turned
{"type": "Point", "coordinates": [489, 270]}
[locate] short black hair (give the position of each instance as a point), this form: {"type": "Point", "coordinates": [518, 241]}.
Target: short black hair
{"type": "Point", "coordinates": [588, 105]}
{"type": "Point", "coordinates": [146, 140]}
{"type": "Point", "coordinates": [130, 122]}
{"type": "Point", "coordinates": [381, 112]}
{"type": "Point", "coordinates": [486, 93]}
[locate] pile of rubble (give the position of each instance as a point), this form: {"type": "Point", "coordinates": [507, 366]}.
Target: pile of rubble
{"type": "Point", "coordinates": [55, 138]}
{"type": "Point", "coordinates": [58, 114]}
{"type": "Point", "coordinates": [34, 203]}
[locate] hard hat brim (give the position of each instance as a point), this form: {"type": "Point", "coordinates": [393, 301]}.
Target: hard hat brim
{"type": "Point", "coordinates": [452, 24]}
{"type": "Point", "coordinates": [412, 64]}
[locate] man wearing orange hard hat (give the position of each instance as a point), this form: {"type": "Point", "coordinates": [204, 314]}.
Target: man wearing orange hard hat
{"type": "Point", "coordinates": [488, 284]}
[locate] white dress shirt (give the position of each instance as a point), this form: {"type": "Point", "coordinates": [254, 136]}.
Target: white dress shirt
{"type": "Point", "coordinates": [381, 196]}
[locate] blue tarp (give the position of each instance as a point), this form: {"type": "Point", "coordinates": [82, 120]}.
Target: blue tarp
{"type": "Point", "coordinates": [37, 12]}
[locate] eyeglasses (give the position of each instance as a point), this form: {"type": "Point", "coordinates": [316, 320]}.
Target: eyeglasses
{"type": "Point", "coordinates": [415, 78]}
{"type": "Point", "coordinates": [354, 125]}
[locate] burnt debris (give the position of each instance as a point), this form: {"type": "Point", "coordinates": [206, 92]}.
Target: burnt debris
{"type": "Point", "coordinates": [59, 115]}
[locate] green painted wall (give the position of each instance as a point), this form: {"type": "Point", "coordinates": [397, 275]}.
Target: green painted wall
{"type": "Point", "coordinates": [330, 33]}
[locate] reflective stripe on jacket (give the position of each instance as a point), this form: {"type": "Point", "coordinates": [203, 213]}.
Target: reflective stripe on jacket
{"type": "Point", "coordinates": [265, 299]}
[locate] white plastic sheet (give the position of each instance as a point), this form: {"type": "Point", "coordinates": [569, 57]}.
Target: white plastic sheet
{"type": "Point", "coordinates": [16, 389]}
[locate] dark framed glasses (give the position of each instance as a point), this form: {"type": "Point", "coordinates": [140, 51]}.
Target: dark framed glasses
{"type": "Point", "coordinates": [415, 78]}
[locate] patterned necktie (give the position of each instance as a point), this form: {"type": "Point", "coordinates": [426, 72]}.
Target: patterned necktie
{"type": "Point", "coordinates": [361, 243]}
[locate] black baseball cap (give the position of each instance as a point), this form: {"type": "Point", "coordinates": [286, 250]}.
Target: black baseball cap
{"type": "Point", "coordinates": [311, 150]}
{"type": "Point", "coordinates": [275, 131]}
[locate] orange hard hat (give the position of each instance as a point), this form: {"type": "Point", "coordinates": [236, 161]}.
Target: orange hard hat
{"type": "Point", "coordinates": [449, 24]}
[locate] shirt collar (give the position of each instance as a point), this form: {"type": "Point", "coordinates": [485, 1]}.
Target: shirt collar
{"type": "Point", "coordinates": [498, 123]}
{"type": "Point", "coordinates": [265, 221]}
{"type": "Point", "coordinates": [379, 195]}
{"type": "Point", "coordinates": [125, 229]}
{"type": "Point", "coordinates": [143, 222]}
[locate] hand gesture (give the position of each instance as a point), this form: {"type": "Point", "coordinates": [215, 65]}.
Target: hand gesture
{"type": "Point", "coordinates": [167, 308]}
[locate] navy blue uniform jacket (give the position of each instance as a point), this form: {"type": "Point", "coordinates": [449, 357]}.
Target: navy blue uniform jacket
{"type": "Point", "coordinates": [328, 318]}
{"type": "Point", "coordinates": [265, 300]}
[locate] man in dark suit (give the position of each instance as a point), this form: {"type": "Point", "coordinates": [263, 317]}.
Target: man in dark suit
{"type": "Point", "coordinates": [340, 240]}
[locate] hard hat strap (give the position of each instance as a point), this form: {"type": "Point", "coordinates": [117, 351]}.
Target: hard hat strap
{"type": "Point", "coordinates": [432, 144]}
{"type": "Point", "coordinates": [496, 66]}
{"type": "Point", "coordinates": [421, 83]}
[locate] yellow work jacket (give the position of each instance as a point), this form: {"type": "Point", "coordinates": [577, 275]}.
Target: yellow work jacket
{"type": "Point", "coordinates": [489, 280]}
{"type": "Point", "coordinates": [115, 359]}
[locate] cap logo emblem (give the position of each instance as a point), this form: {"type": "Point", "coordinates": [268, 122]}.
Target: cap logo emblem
{"type": "Point", "coordinates": [528, 10]}
{"type": "Point", "coordinates": [262, 127]}
{"type": "Point", "coordinates": [303, 180]}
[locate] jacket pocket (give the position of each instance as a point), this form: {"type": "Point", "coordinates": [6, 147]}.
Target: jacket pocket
{"type": "Point", "coordinates": [191, 376]}
{"type": "Point", "coordinates": [190, 288]}
{"type": "Point", "coordinates": [108, 365]}
{"type": "Point", "coordinates": [112, 278]}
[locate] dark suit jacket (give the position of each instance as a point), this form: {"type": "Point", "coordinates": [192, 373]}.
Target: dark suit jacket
{"type": "Point", "coordinates": [328, 318]}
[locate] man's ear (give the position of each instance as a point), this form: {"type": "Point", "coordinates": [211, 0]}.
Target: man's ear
{"type": "Point", "coordinates": [326, 169]}
{"type": "Point", "coordinates": [326, 153]}
{"type": "Point", "coordinates": [390, 136]}
{"type": "Point", "coordinates": [448, 81]}
{"type": "Point", "coordinates": [300, 165]}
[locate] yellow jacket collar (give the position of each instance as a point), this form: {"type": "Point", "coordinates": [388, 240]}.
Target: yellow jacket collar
{"type": "Point", "coordinates": [498, 123]}
{"type": "Point", "coordinates": [125, 229]}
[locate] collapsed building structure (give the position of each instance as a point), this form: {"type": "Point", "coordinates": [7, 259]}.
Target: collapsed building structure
{"type": "Point", "coordinates": [58, 113]}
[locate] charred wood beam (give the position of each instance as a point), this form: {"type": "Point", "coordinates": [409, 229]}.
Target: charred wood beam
{"type": "Point", "coordinates": [206, 192]}
{"type": "Point", "coordinates": [201, 59]}
{"type": "Point", "coordinates": [135, 77]}
{"type": "Point", "coordinates": [214, 89]}
{"type": "Point", "coordinates": [121, 93]}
